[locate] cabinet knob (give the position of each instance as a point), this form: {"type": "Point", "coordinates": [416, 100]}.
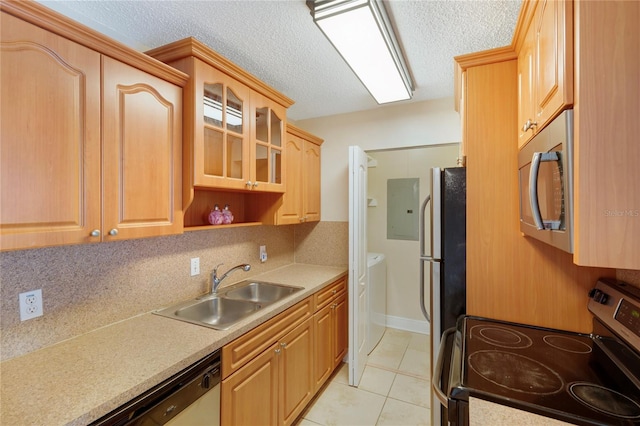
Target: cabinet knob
{"type": "Point", "coordinates": [284, 345]}
{"type": "Point", "coordinates": [113, 232]}
{"type": "Point", "coordinates": [255, 184]}
{"type": "Point", "coordinates": [334, 291]}
{"type": "Point", "coordinates": [95, 233]}
{"type": "Point", "coordinates": [249, 183]}
{"type": "Point", "coordinates": [278, 351]}
{"type": "Point", "coordinates": [529, 125]}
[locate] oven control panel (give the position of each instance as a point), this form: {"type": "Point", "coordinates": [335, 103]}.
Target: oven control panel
{"type": "Point", "coordinates": [617, 305]}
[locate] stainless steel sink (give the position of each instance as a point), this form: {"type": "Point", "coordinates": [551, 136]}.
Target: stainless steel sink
{"type": "Point", "coordinates": [259, 292]}
{"type": "Point", "coordinates": [229, 305]}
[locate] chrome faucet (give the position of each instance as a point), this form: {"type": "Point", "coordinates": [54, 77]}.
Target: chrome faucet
{"type": "Point", "coordinates": [215, 281]}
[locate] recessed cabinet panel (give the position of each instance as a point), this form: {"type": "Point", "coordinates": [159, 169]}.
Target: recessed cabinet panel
{"type": "Point", "coordinates": [262, 163]}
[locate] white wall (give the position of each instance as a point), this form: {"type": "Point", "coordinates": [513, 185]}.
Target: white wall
{"type": "Point", "coordinates": [394, 126]}
{"type": "Point", "coordinates": [403, 268]}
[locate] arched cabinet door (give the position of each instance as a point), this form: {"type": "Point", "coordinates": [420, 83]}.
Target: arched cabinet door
{"type": "Point", "coordinates": [50, 138]}
{"type": "Point", "coordinates": [142, 143]}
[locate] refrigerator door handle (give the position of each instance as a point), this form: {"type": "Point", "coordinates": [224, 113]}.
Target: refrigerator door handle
{"type": "Point", "coordinates": [423, 257]}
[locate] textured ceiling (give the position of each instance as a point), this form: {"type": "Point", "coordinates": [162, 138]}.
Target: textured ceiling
{"type": "Point", "coordinates": [278, 42]}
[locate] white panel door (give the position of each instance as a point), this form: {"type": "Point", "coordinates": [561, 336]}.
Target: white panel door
{"type": "Point", "coordinates": [358, 309]}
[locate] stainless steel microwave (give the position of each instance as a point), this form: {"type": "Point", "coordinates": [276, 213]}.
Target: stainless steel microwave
{"type": "Point", "coordinates": [545, 166]}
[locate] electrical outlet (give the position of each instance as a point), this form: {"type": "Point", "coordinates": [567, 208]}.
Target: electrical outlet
{"type": "Point", "coordinates": [30, 304]}
{"type": "Point", "coordinates": [263, 254]}
{"type": "Point", "coordinates": [195, 266]}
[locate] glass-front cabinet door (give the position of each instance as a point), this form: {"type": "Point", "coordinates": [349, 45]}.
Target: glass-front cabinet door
{"type": "Point", "coordinates": [267, 144]}
{"type": "Point", "coordinates": [221, 148]}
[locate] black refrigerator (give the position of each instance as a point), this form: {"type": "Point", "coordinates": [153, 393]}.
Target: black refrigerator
{"type": "Point", "coordinates": [443, 263]}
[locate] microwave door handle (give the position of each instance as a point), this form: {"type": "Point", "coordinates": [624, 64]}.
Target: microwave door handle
{"type": "Point", "coordinates": [537, 158]}
{"type": "Point", "coordinates": [533, 190]}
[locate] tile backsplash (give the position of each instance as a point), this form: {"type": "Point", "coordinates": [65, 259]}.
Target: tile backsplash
{"type": "Point", "coordinates": [85, 287]}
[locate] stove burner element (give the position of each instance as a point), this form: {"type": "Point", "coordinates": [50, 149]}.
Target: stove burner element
{"type": "Point", "coordinates": [516, 372]}
{"type": "Point", "coordinates": [501, 336]}
{"type": "Point", "coordinates": [605, 400]}
{"type": "Point", "coordinates": [567, 344]}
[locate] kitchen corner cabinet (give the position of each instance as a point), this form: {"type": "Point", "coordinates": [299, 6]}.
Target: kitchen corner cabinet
{"type": "Point", "coordinates": [90, 147]}
{"type": "Point", "coordinates": [331, 325]}
{"type": "Point", "coordinates": [545, 65]}
{"type": "Point", "coordinates": [301, 200]}
{"type": "Point", "coordinates": [234, 136]}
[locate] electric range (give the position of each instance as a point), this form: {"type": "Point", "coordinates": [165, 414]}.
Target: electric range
{"type": "Point", "coordinates": [588, 379]}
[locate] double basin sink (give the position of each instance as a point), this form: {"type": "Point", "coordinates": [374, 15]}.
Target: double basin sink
{"type": "Point", "coordinates": [229, 305]}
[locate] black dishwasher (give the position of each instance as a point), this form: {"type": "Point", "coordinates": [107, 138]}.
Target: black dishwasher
{"type": "Point", "coordinates": [189, 397]}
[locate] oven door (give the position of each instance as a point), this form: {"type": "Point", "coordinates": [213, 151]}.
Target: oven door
{"type": "Point", "coordinates": [447, 377]}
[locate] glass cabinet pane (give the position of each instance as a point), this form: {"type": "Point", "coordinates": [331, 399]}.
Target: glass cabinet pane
{"type": "Point", "coordinates": [213, 152]}
{"type": "Point", "coordinates": [234, 157]}
{"type": "Point", "coordinates": [276, 130]}
{"type": "Point", "coordinates": [213, 104]}
{"type": "Point", "coordinates": [262, 124]}
{"type": "Point", "coordinates": [234, 112]}
{"type": "Point", "coordinates": [262, 163]}
{"type": "Point", "coordinates": [276, 166]}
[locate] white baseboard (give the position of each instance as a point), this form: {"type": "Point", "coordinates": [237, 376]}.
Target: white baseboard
{"type": "Point", "coordinates": [415, 326]}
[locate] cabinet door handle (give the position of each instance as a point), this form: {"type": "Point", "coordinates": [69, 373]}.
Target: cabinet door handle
{"type": "Point", "coordinates": [334, 291]}
{"type": "Point", "coordinates": [284, 345]}
{"type": "Point", "coordinates": [255, 184]}
{"type": "Point", "coordinates": [113, 232]}
{"type": "Point", "coordinates": [278, 351]}
{"type": "Point", "coordinates": [95, 233]}
{"type": "Point", "coordinates": [249, 183]}
{"type": "Point", "coordinates": [529, 125]}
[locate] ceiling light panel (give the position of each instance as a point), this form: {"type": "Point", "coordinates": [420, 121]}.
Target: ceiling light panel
{"type": "Point", "coordinates": [361, 33]}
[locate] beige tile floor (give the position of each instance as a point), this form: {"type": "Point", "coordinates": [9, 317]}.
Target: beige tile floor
{"type": "Point", "coordinates": [394, 389]}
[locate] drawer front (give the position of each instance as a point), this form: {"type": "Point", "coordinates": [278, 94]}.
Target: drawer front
{"type": "Point", "coordinates": [251, 344]}
{"type": "Point", "coordinates": [324, 296]}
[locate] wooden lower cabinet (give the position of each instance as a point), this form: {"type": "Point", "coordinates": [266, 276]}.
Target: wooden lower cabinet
{"type": "Point", "coordinates": [250, 395]}
{"type": "Point", "coordinates": [331, 325]}
{"type": "Point", "coordinates": [272, 372]}
{"type": "Point", "coordinates": [274, 387]}
{"type": "Point", "coordinates": [341, 327]}
{"type": "Point", "coordinates": [296, 368]}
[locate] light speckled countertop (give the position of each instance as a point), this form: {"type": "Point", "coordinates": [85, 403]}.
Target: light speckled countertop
{"type": "Point", "coordinates": [80, 380]}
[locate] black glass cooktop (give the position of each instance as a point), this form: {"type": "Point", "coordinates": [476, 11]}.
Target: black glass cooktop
{"type": "Point", "coordinates": [555, 373]}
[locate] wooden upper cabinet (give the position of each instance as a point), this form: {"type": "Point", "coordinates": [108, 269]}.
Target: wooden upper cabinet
{"type": "Point", "coordinates": [267, 141]}
{"type": "Point", "coordinates": [545, 65]}
{"type": "Point", "coordinates": [50, 140]}
{"type": "Point", "coordinates": [234, 149]}
{"type": "Point", "coordinates": [221, 129]}
{"type": "Point", "coordinates": [90, 146]}
{"type": "Point", "coordinates": [526, 112]}
{"type": "Point", "coordinates": [142, 153]}
{"type": "Point", "coordinates": [301, 200]}
{"type": "Point", "coordinates": [607, 151]}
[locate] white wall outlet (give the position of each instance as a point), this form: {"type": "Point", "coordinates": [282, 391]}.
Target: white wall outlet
{"type": "Point", "coordinates": [195, 266]}
{"type": "Point", "coordinates": [263, 254]}
{"type": "Point", "coordinates": [30, 304]}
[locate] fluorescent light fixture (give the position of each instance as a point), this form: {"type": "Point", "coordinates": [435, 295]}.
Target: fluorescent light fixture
{"type": "Point", "coordinates": [360, 31]}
